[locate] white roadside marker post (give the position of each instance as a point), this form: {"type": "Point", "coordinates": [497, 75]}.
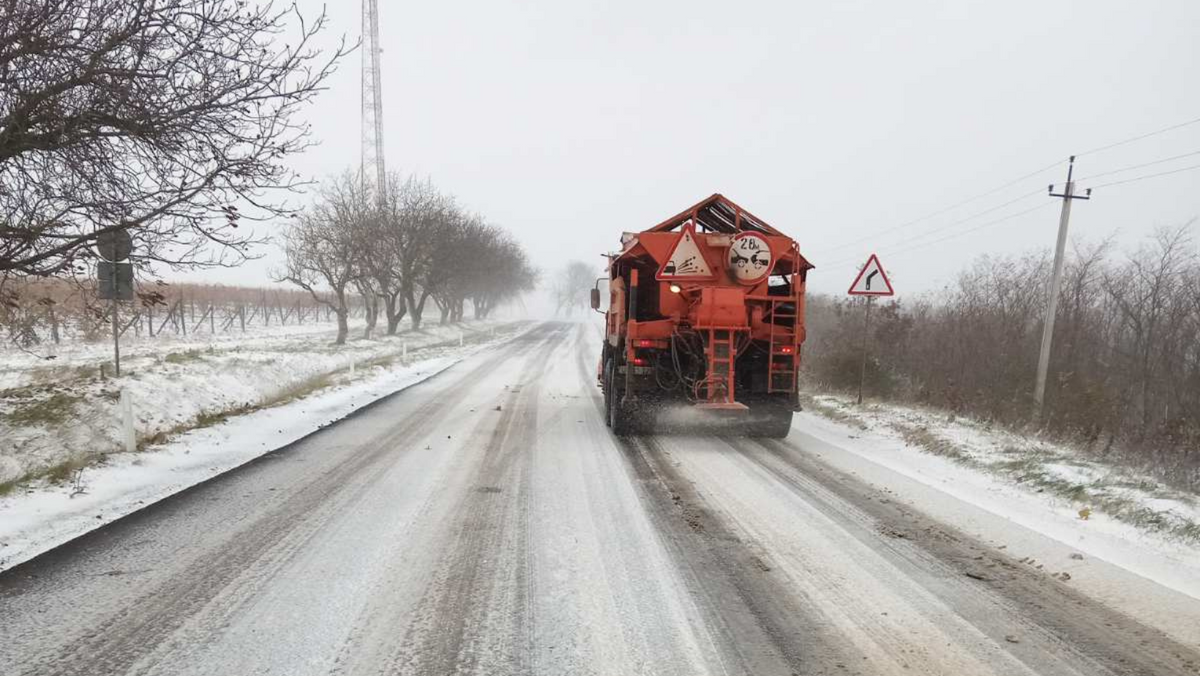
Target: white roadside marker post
{"type": "Point", "coordinates": [460, 338]}
{"type": "Point", "coordinates": [351, 368]}
{"type": "Point", "coordinates": [128, 434]}
{"type": "Point", "coordinates": [404, 350]}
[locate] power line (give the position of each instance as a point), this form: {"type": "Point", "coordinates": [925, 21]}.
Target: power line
{"type": "Point", "coordinates": [952, 207]}
{"type": "Point", "coordinates": [972, 217]}
{"type": "Point", "coordinates": [1132, 139]}
{"type": "Point", "coordinates": [1139, 137]}
{"type": "Point", "coordinates": [1140, 166]}
{"type": "Point", "coordinates": [968, 231]}
{"type": "Point", "coordinates": [1148, 176]}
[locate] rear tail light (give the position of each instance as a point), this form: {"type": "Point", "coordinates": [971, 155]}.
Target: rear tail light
{"type": "Point", "coordinates": [638, 361]}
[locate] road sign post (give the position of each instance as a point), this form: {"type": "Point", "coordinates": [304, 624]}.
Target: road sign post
{"type": "Point", "coordinates": [114, 281]}
{"type": "Point", "coordinates": [872, 281]}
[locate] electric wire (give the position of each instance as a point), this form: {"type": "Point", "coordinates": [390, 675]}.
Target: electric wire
{"type": "Point", "coordinates": [972, 217]}
{"type": "Point", "coordinates": [974, 229]}
{"type": "Point", "coordinates": [1138, 166]}
{"type": "Point", "coordinates": [1139, 137]}
{"type": "Point", "coordinates": [1143, 178]}
{"type": "Point", "coordinates": [952, 207]}
{"type": "Point", "coordinates": [988, 193]}
{"type": "Point", "coordinates": [981, 226]}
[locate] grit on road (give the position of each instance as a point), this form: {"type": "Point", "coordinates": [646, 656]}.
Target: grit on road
{"type": "Point", "coordinates": [487, 522]}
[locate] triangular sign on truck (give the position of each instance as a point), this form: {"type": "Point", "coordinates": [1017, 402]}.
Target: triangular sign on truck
{"type": "Point", "coordinates": [872, 280]}
{"type": "Point", "coordinates": [686, 260]}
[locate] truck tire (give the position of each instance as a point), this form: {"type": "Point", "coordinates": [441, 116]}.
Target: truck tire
{"type": "Point", "coordinates": [608, 394]}
{"type": "Point", "coordinates": [618, 417]}
{"type": "Point", "coordinates": [775, 425]}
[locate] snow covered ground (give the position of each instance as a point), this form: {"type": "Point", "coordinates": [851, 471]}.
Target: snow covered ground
{"type": "Point", "coordinates": [1128, 520]}
{"type": "Point", "coordinates": [57, 415]}
{"type": "Point", "coordinates": [201, 409]}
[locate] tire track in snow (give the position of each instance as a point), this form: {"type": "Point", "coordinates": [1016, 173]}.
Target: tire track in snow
{"type": "Point", "coordinates": [1060, 629]}
{"type": "Point", "coordinates": [475, 616]}
{"type": "Point", "coordinates": [759, 625]}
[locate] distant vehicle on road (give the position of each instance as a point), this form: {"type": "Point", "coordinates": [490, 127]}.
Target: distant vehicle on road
{"type": "Point", "coordinates": [706, 310]}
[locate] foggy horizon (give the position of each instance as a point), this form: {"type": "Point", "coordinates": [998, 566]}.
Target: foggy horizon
{"type": "Point", "coordinates": [570, 124]}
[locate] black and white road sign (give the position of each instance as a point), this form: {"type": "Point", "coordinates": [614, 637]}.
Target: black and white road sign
{"type": "Point", "coordinates": [686, 260]}
{"type": "Point", "coordinates": [114, 246]}
{"type": "Point", "coordinates": [749, 258]}
{"type": "Point", "coordinates": [115, 281]}
{"type": "Point", "coordinates": [872, 280]}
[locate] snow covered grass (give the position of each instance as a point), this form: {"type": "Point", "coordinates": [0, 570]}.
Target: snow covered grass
{"type": "Point", "coordinates": [1052, 470]}
{"type": "Point", "coordinates": [58, 417]}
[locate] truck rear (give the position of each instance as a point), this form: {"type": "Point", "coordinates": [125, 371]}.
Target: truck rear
{"type": "Point", "coordinates": [705, 313]}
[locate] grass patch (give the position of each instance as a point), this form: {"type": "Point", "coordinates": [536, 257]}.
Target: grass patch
{"type": "Point", "coordinates": [52, 410]}
{"type": "Point", "coordinates": [211, 418]}
{"type": "Point", "coordinates": [66, 471]}
{"type": "Point", "coordinates": [8, 487]}
{"type": "Point", "coordinates": [58, 474]}
{"type": "Point", "coordinates": [835, 413]}
{"type": "Point", "coordinates": [183, 357]}
{"type": "Point", "coordinates": [920, 436]}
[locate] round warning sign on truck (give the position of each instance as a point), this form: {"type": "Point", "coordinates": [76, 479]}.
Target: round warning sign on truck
{"type": "Point", "coordinates": [749, 258]}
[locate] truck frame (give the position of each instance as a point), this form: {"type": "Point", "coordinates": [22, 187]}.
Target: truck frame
{"type": "Point", "coordinates": [706, 310]}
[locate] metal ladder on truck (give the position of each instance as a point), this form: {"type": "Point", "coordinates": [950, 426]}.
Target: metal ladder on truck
{"type": "Point", "coordinates": [718, 384]}
{"type": "Point", "coordinates": [781, 358]}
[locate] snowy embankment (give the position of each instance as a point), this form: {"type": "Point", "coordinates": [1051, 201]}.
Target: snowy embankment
{"type": "Point", "coordinates": [201, 408]}
{"type": "Point", "coordinates": [1111, 514]}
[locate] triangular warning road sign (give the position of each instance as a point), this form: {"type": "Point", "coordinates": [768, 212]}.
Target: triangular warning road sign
{"type": "Point", "coordinates": [872, 281]}
{"type": "Point", "coordinates": [686, 260]}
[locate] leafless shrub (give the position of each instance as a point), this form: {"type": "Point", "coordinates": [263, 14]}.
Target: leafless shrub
{"type": "Point", "coordinates": [1125, 369]}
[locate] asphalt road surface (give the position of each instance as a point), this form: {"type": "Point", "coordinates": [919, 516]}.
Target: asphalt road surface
{"type": "Point", "coordinates": [486, 522]}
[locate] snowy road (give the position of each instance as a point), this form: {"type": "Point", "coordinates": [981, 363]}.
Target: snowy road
{"type": "Point", "coordinates": [486, 522]}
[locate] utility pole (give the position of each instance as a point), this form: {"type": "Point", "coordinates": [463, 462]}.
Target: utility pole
{"type": "Point", "coordinates": [1067, 195]}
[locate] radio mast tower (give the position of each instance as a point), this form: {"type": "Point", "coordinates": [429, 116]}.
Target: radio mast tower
{"type": "Point", "coordinates": [373, 173]}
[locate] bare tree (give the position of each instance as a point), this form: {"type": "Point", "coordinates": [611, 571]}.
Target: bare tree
{"type": "Point", "coordinates": [1145, 293]}
{"type": "Point", "coordinates": [321, 247]}
{"type": "Point", "coordinates": [571, 287]}
{"type": "Point", "coordinates": [171, 120]}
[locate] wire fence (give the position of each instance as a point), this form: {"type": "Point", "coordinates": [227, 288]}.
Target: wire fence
{"type": "Point", "coordinates": [42, 312]}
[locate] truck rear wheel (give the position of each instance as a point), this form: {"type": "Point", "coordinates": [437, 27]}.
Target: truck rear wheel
{"type": "Point", "coordinates": [615, 414]}
{"type": "Point", "coordinates": [773, 423]}
{"type": "Point", "coordinates": [619, 418]}
{"type": "Point", "coordinates": [608, 393]}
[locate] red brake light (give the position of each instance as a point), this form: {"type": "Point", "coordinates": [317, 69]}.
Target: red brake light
{"type": "Point", "coordinates": [638, 361]}
{"type": "Point", "coordinates": [787, 349]}
{"type": "Point", "coordinates": [645, 343]}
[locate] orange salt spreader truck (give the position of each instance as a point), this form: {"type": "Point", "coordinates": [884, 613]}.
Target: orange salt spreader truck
{"type": "Point", "coordinates": [706, 310]}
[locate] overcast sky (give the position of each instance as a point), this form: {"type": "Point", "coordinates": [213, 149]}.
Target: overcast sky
{"type": "Point", "coordinates": [569, 122]}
